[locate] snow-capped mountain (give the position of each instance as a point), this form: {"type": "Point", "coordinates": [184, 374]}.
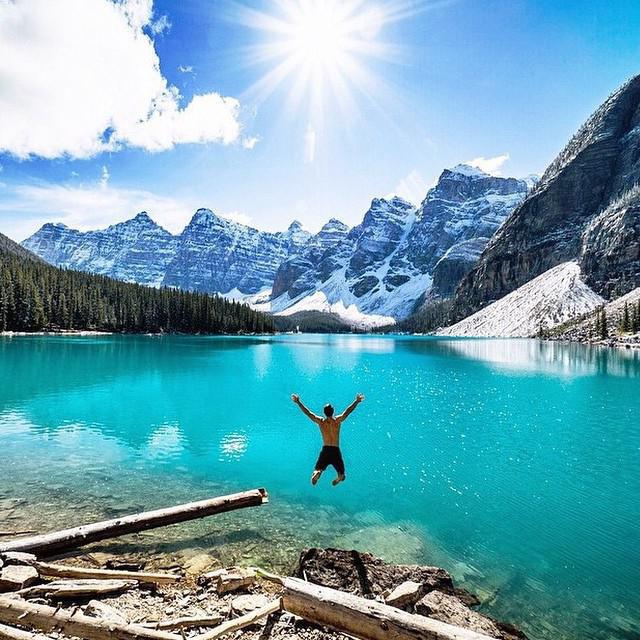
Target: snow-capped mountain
{"type": "Point", "coordinates": [547, 301]}
{"type": "Point", "coordinates": [137, 250]}
{"type": "Point", "coordinates": [212, 254]}
{"type": "Point", "coordinates": [376, 273]}
{"type": "Point", "coordinates": [370, 275]}
{"type": "Point", "coordinates": [216, 255]}
{"type": "Point", "coordinates": [585, 208]}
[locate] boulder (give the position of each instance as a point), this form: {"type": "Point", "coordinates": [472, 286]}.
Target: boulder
{"type": "Point", "coordinates": [15, 577]}
{"type": "Point", "coordinates": [405, 595]}
{"type": "Point", "coordinates": [17, 557]}
{"type": "Point", "coordinates": [366, 575]}
{"type": "Point", "coordinates": [235, 580]}
{"type": "Point", "coordinates": [448, 608]}
{"type": "Point", "coordinates": [199, 564]}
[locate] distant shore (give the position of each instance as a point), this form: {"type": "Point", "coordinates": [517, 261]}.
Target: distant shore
{"type": "Point", "coordinates": [70, 332]}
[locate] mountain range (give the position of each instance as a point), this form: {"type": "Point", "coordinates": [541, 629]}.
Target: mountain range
{"type": "Point", "coordinates": [561, 245]}
{"type": "Point", "coordinates": [369, 275]}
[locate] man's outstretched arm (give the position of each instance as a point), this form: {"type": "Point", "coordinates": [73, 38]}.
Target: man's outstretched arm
{"type": "Point", "coordinates": [350, 409]}
{"type": "Point", "coordinates": [309, 414]}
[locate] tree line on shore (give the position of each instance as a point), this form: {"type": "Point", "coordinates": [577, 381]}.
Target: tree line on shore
{"type": "Point", "coordinates": [35, 296]}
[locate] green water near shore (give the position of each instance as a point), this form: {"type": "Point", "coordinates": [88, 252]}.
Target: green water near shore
{"type": "Point", "coordinates": [513, 464]}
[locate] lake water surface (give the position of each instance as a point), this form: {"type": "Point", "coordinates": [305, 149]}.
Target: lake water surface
{"type": "Point", "coordinates": [514, 464]}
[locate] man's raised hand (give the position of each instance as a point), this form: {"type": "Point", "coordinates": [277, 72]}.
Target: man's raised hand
{"type": "Point", "coordinates": [295, 398]}
{"type": "Point", "coordinates": [359, 397]}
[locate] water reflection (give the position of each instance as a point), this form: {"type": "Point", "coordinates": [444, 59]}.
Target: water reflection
{"type": "Point", "coordinates": [233, 446]}
{"type": "Point", "coordinates": [534, 356]}
{"type": "Point", "coordinates": [167, 441]}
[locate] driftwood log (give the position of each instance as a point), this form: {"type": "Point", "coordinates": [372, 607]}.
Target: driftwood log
{"type": "Point", "coordinates": [186, 622]}
{"type": "Point", "coordinates": [11, 633]}
{"type": "Point", "coordinates": [64, 589]}
{"type": "Point", "coordinates": [242, 621]}
{"type": "Point", "coordinates": [362, 618]}
{"type": "Point", "coordinates": [47, 619]}
{"type": "Point", "coordinates": [59, 541]}
{"type": "Point", "coordinates": [66, 571]}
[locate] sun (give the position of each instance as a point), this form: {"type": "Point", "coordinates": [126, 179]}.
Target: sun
{"type": "Point", "coordinates": [317, 35]}
{"type": "Point", "coordinates": [323, 51]}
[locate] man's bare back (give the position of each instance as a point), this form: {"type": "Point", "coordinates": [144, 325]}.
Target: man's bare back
{"type": "Point", "coordinates": [330, 430]}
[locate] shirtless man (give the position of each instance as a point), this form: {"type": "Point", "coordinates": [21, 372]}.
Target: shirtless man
{"type": "Point", "coordinates": [330, 429]}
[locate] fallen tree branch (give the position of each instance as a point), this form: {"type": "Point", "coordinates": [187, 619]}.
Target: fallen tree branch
{"type": "Point", "coordinates": [58, 541]}
{"type": "Point", "coordinates": [185, 623]}
{"type": "Point", "coordinates": [242, 621]}
{"type": "Point", "coordinates": [362, 618]}
{"type": "Point", "coordinates": [11, 633]}
{"type": "Point", "coordinates": [61, 589]}
{"type": "Point", "coordinates": [47, 619]}
{"type": "Point", "coordinates": [66, 571]}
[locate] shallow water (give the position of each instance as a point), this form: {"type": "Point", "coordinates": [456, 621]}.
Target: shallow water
{"type": "Point", "coordinates": [512, 463]}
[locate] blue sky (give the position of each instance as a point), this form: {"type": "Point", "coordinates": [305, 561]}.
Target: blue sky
{"type": "Point", "coordinates": [452, 81]}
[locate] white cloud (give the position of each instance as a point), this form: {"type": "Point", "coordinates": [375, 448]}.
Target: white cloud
{"type": "Point", "coordinates": [160, 25]}
{"type": "Point", "coordinates": [310, 139]}
{"type": "Point", "coordinates": [81, 76]}
{"type": "Point", "coordinates": [237, 216]}
{"type": "Point", "coordinates": [185, 68]}
{"type": "Point", "coordinates": [412, 188]}
{"type": "Point", "coordinates": [25, 208]}
{"type": "Point", "coordinates": [250, 143]}
{"type": "Point", "coordinates": [492, 166]}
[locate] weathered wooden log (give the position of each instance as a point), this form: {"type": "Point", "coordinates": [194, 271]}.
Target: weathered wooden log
{"type": "Point", "coordinates": [72, 623]}
{"type": "Point", "coordinates": [67, 571]}
{"type": "Point", "coordinates": [243, 621]}
{"type": "Point", "coordinates": [62, 589]}
{"type": "Point", "coordinates": [58, 541]}
{"type": "Point", "coordinates": [185, 623]}
{"type": "Point", "coordinates": [11, 633]}
{"type": "Point", "coordinates": [362, 618]}
{"type": "Point", "coordinates": [16, 533]}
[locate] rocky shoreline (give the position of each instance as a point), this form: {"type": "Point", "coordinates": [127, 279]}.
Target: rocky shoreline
{"type": "Point", "coordinates": [207, 592]}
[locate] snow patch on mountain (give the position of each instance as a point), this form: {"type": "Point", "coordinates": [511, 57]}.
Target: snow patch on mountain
{"type": "Point", "coordinates": [546, 301]}
{"type": "Point", "coordinates": [349, 313]}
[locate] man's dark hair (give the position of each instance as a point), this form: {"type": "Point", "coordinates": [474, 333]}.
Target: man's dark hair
{"type": "Point", "coordinates": [328, 410]}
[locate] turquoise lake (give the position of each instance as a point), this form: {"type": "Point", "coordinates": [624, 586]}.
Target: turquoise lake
{"type": "Point", "coordinates": [514, 464]}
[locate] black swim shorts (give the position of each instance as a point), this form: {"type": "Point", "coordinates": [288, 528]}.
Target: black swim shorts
{"type": "Point", "coordinates": [330, 456]}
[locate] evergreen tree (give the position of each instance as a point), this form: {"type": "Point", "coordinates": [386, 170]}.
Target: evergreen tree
{"type": "Point", "coordinates": [625, 325]}
{"type": "Point", "coordinates": [604, 329]}
{"type": "Point", "coordinates": [36, 296]}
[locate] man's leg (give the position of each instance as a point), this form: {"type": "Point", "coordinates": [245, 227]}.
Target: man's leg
{"type": "Point", "coordinates": [321, 465]}
{"type": "Point", "coordinates": [338, 464]}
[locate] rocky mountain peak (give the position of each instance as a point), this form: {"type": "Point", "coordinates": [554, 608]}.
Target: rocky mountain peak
{"type": "Point", "coordinates": [203, 217]}
{"type": "Point", "coordinates": [571, 215]}
{"type": "Point", "coordinates": [334, 224]}
{"type": "Point", "coordinates": [465, 171]}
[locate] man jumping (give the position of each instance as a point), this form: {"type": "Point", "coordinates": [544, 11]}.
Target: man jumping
{"type": "Point", "coordinates": [330, 429]}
